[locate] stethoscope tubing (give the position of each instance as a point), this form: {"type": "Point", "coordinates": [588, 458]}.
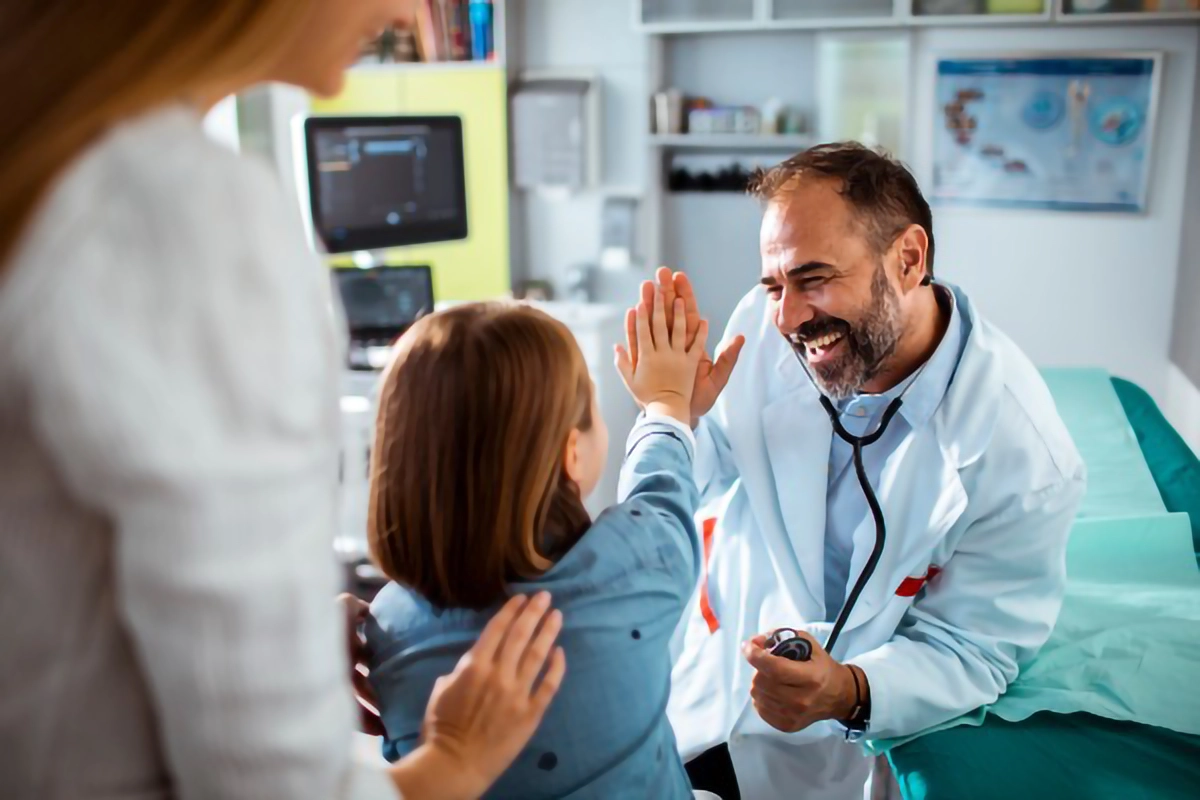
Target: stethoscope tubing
{"type": "Point", "coordinates": [857, 443]}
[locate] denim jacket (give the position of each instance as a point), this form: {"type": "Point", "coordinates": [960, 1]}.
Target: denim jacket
{"type": "Point", "coordinates": [622, 589]}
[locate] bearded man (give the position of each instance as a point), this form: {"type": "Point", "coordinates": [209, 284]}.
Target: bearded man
{"type": "Point", "coordinates": [875, 458]}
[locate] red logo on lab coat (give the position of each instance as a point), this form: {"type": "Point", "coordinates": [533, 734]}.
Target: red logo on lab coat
{"type": "Point", "coordinates": [910, 586]}
{"type": "Point", "coordinates": [709, 525]}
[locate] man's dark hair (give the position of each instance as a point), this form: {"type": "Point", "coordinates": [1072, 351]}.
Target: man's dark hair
{"type": "Point", "coordinates": [883, 193]}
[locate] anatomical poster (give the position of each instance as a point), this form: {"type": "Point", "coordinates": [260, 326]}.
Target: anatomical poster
{"type": "Point", "coordinates": [1070, 132]}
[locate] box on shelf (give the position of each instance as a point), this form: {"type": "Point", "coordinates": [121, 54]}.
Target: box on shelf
{"type": "Point", "coordinates": [724, 120]}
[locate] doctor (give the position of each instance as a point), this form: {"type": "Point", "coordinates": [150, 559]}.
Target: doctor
{"type": "Point", "coordinates": [976, 476]}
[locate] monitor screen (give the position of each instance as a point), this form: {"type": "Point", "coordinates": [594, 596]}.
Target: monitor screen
{"type": "Point", "coordinates": [381, 302]}
{"type": "Point", "coordinates": [379, 182]}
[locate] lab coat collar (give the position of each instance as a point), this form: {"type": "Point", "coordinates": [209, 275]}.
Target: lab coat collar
{"type": "Point", "coordinates": [796, 435]}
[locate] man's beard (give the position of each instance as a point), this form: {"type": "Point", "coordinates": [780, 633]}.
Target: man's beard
{"type": "Point", "coordinates": [865, 346]}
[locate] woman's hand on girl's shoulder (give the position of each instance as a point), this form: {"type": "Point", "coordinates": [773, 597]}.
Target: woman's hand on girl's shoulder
{"type": "Point", "coordinates": [481, 716]}
{"type": "Point", "coordinates": [663, 378]}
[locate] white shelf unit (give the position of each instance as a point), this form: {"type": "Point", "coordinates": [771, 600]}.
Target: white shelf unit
{"type": "Point", "coordinates": [764, 16]}
{"type": "Point", "coordinates": [731, 141]}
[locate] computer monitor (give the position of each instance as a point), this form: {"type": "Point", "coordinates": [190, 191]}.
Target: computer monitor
{"type": "Point", "coordinates": [376, 182]}
{"type": "Point", "coordinates": [380, 303]}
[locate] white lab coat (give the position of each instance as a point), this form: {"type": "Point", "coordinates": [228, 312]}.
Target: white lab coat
{"type": "Point", "coordinates": [985, 491]}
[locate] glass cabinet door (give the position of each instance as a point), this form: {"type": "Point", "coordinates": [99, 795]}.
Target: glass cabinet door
{"type": "Point", "coordinates": [791, 10]}
{"type": "Point", "coordinates": [950, 8]}
{"type": "Point", "coordinates": [1082, 8]}
{"type": "Point", "coordinates": [696, 11]}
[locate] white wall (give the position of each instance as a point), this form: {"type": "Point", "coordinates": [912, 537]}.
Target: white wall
{"type": "Point", "coordinates": [1182, 405]}
{"type": "Point", "coordinates": [1075, 288]}
{"type": "Point", "coordinates": [555, 234]}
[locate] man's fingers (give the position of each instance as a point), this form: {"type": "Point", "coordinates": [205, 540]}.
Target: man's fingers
{"type": "Point", "coordinates": [773, 668]}
{"type": "Point", "coordinates": [493, 633]}
{"type": "Point", "coordinates": [631, 336]}
{"type": "Point", "coordinates": [765, 690]}
{"type": "Point", "coordinates": [726, 361]}
{"type": "Point", "coordinates": [648, 289]}
{"type": "Point", "coordinates": [683, 290]}
{"type": "Point", "coordinates": [679, 329]}
{"type": "Point", "coordinates": [645, 342]}
{"type": "Point", "coordinates": [550, 681]}
{"type": "Point", "coordinates": [776, 669]}
{"type": "Point", "coordinates": [696, 348]}
{"type": "Point", "coordinates": [771, 702]}
{"type": "Point", "coordinates": [758, 657]}
{"type": "Point", "coordinates": [658, 326]}
{"type": "Point", "coordinates": [624, 365]}
{"type": "Point", "coordinates": [521, 632]}
{"type": "Point", "coordinates": [777, 718]}
{"type": "Point", "coordinates": [666, 285]}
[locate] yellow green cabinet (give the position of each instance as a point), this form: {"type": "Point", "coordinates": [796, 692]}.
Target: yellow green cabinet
{"type": "Point", "coordinates": [475, 268]}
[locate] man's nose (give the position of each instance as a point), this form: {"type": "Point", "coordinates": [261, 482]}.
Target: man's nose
{"type": "Point", "coordinates": [792, 312]}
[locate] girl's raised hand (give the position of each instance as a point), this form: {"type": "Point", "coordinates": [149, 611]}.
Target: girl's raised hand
{"type": "Point", "coordinates": [661, 382]}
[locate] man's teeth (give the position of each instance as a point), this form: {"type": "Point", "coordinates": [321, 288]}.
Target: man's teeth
{"type": "Point", "coordinates": [823, 341]}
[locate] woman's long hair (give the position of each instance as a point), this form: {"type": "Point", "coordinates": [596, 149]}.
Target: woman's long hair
{"type": "Point", "coordinates": [72, 68]}
{"type": "Point", "coordinates": [468, 490]}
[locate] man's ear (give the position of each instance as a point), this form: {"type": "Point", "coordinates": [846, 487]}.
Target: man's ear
{"type": "Point", "coordinates": [912, 245]}
{"type": "Point", "coordinates": [570, 459]}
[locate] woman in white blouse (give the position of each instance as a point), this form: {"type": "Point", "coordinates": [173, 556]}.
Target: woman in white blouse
{"type": "Point", "coordinates": [168, 432]}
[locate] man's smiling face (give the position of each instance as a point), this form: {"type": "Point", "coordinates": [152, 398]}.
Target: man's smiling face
{"type": "Point", "coordinates": [829, 291]}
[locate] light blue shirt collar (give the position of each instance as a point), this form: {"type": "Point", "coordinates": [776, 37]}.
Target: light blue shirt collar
{"type": "Point", "coordinates": [924, 389]}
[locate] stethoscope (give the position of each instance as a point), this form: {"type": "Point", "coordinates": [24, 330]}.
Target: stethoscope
{"type": "Point", "coordinates": [786, 642]}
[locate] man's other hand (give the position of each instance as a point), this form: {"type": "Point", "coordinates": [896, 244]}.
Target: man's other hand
{"type": "Point", "coordinates": [792, 695]}
{"type": "Point", "coordinates": [711, 376]}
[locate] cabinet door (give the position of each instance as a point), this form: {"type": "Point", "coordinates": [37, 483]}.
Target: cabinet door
{"type": "Point", "coordinates": [696, 11]}
{"type": "Point", "coordinates": [799, 10]}
{"type": "Point", "coordinates": [950, 8]}
{"type": "Point", "coordinates": [1148, 9]}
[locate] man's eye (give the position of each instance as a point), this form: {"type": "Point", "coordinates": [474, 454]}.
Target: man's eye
{"type": "Point", "coordinates": [774, 292]}
{"type": "Point", "coordinates": [810, 283]}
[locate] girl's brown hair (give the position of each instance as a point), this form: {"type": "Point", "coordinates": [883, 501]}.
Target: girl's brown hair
{"type": "Point", "coordinates": [73, 68]}
{"type": "Point", "coordinates": [468, 490]}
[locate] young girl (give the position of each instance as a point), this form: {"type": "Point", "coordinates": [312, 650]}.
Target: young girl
{"type": "Point", "coordinates": [488, 441]}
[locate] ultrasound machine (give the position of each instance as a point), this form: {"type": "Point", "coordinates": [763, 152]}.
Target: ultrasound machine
{"type": "Point", "coordinates": [374, 183]}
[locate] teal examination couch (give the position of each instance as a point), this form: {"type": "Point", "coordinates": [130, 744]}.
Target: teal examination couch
{"type": "Point", "coordinates": [1143, 479]}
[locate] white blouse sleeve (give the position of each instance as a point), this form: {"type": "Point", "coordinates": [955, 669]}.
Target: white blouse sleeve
{"type": "Point", "coordinates": [185, 384]}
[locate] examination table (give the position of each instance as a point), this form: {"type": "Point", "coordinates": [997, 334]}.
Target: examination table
{"type": "Point", "coordinates": [1140, 471]}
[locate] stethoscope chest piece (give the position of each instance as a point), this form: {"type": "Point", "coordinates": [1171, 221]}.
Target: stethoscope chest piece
{"type": "Point", "coordinates": [787, 643]}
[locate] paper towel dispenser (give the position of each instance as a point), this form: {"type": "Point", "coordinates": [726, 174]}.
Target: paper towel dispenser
{"type": "Point", "coordinates": [555, 137]}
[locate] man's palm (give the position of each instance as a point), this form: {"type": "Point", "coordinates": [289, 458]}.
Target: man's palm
{"type": "Point", "coordinates": [711, 376]}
